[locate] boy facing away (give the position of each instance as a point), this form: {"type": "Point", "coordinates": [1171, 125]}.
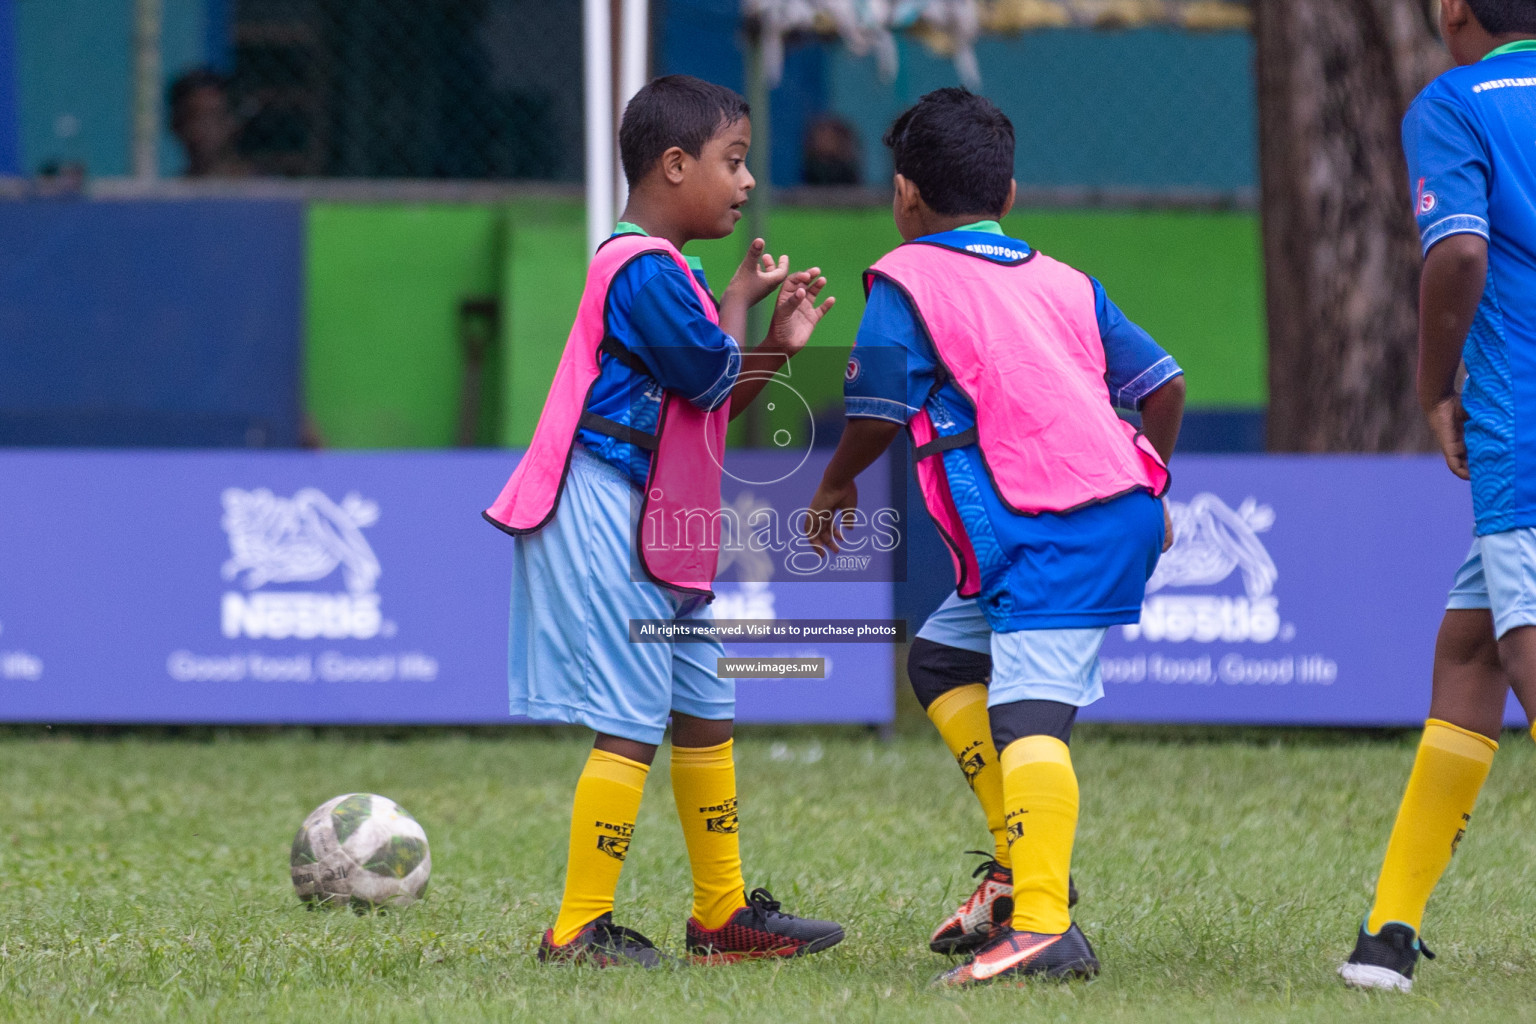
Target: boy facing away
{"type": "Point", "coordinates": [629, 436]}
{"type": "Point", "coordinates": [993, 355]}
{"type": "Point", "coordinates": [1468, 138]}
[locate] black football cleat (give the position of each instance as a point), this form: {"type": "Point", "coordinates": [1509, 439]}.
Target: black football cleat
{"type": "Point", "coordinates": [1384, 960]}
{"type": "Point", "coordinates": [1015, 956]}
{"type": "Point", "coordinates": [601, 944]}
{"type": "Point", "coordinates": [761, 929]}
{"type": "Point", "coordinates": [986, 912]}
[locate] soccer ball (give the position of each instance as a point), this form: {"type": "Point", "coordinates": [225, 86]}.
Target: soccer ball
{"type": "Point", "coordinates": [363, 850]}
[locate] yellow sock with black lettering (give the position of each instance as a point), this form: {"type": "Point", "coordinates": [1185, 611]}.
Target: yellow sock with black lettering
{"type": "Point", "coordinates": [1040, 811]}
{"type": "Point", "coordinates": [961, 717]}
{"type": "Point", "coordinates": [602, 822]}
{"type": "Point", "coordinates": [1447, 775]}
{"type": "Point", "coordinates": [704, 785]}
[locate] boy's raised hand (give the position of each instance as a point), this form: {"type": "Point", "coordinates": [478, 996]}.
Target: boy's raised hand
{"type": "Point", "coordinates": [795, 312]}
{"type": "Point", "coordinates": [758, 274]}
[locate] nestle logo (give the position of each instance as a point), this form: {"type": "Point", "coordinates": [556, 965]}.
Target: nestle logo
{"type": "Point", "coordinates": [1212, 541]}
{"type": "Point", "coordinates": [300, 615]}
{"type": "Point", "coordinates": [1207, 618]}
{"type": "Point", "coordinates": [305, 538]}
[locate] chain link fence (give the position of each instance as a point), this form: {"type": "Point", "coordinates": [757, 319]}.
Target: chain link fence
{"type": "Point", "coordinates": [490, 90]}
{"type": "Point", "coordinates": [408, 88]}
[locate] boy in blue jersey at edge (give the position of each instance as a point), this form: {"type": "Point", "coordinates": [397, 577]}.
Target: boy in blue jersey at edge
{"type": "Point", "coordinates": [1470, 139]}
{"type": "Point", "coordinates": [989, 351]}
{"type": "Point", "coordinates": [649, 351]}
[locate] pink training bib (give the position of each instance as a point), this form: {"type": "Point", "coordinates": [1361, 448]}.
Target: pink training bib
{"type": "Point", "coordinates": [684, 480]}
{"type": "Point", "coordinates": [1021, 341]}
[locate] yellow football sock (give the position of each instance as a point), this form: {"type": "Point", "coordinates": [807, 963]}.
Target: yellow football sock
{"type": "Point", "coordinates": [1448, 772]}
{"type": "Point", "coordinates": [1040, 801]}
{"type": "Point", "coordinates": [602, 822]}
{"type": "Point", "coordinates": [961, 717]}
{"type": "Point", "coordinates": [704, 784]}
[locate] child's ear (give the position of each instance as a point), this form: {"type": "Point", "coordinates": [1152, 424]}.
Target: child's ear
{"type": "Point", "coordinates": [1013, 193]}
{"type": "Point", "coordinates": [1454, 15]}
{"type": "Point", "coordinates": [907, 195]}
{"type": "Point", "coordinates": [674, 164]}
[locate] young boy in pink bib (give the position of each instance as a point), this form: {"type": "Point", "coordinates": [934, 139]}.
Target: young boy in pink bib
{"type": "Point", "coordinates": [631, 434]}
{"type": "Point", "coordinates": [993, 355]}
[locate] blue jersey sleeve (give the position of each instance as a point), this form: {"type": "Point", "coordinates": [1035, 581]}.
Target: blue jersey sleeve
{"type": "Point", "coordinates": [684, 350]}
{"type": "Point", "coordinates": [1448, 169]}
{"type": "Point", "coordinates": [1135, 365]}
{"type": "Point", "coordinates": [893, 367]}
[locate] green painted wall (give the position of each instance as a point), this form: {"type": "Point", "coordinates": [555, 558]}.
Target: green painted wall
{"type": "Point", "coordinates": [543, 274]}
{"type": "Point", "coordinates": [385, 367]}
{"type": "Point", "coordinates": [1191, 279]}
{"type": "Point", "coordinates": [383, 361]}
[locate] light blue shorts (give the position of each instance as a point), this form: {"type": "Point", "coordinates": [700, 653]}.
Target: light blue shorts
{"type": "Point", "coordinates": [1031, 664]}
{"type": "Point", "coordinates": [1499, 574]}
{"type": "Point", "coordinates": [572, 598]}
{"type": "Point", "coordinates": [958, 622]}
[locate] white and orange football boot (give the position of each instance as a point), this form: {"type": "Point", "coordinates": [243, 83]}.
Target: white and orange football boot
{"type": "Point", "coordinates": [1014, 956]}
{"type": "Point", "coordinates": [985, 913]}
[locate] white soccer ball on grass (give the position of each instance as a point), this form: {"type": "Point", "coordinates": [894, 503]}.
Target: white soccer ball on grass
{"type": "Point", "coordinates": [360, 850]}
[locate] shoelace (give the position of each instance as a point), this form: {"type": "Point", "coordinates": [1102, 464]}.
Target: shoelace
{"type": "Point", "coordinates": [618, 935]}
{"type": "Point", "coordinates": [762, 903]}
{"type": "Point", "coordinates": [1400, 940]}
{"type": "Point", "coordinates": [987, 866]}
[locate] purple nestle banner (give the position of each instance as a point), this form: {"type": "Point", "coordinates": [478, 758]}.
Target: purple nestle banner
{"type": "Point", "coordinates": [321, 588]}
{"type": "Point", "coordinates": [315, 588]}
{"type": "Point", "coordinates": [1301, 590]}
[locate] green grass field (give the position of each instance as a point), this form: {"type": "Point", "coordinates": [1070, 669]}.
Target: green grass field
{"type": "Point", "coordinates": [1223, 874]}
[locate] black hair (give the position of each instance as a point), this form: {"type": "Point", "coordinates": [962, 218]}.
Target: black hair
{"type": "Point", "coordinates": [191, 81]}
{"type": "Point", "coordinates": [1505, 17]}
{"type": "Point", "coordinates": [957, 148]}
{"type": "Point", "coordinates": [674, 110]}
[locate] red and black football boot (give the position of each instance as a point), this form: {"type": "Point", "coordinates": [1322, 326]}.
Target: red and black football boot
{"type": "Point", "coordinates": [985, 913]}
{"type": "Point", "coordinates": [601, 944]}
{"type": "Point", "coordinates": [761, 929]}
{"type": "Point", "coordinates": [1014, 956]}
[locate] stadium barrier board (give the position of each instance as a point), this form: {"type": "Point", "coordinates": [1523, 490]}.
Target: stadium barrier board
{"type": "Point", "coordinates": [267, 587]}
{"type": "Point", "coordinates": [1302, 590]}
{"type": "Point", "coordinates": [245, 587]}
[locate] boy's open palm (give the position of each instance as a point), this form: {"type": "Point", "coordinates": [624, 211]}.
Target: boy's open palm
{"type": "Point", "coordinates": [796, 312]}
{"type": "Point", "coordinates": [758, 274]}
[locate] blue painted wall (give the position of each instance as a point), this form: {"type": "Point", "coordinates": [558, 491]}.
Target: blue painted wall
{"type": "Point", "coordinates": [10, 122]}
{"type": "Point", "coordinates": [151, 323]}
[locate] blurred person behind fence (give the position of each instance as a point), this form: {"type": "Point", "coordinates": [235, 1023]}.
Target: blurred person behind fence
{"type": "Point", "coordinates": [207, 128]}
{"type": "Point", "coordinates": [831, 154]}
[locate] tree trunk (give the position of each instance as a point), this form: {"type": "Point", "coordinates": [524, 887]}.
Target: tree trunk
{"type": "Point", "coordinates": [1341, 250]}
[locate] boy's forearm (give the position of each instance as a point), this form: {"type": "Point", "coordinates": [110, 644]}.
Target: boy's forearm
{"type": "Point", "coordinates": [733, 319]}
{"type": "Point", "coordinates": [1162, 413]}
{"type": "Point", "coordinates": [1455, 272]}
{"type": "Point", "coordinates": [864, 440]}
{"type": "Point", "coordinates": [757, 366]}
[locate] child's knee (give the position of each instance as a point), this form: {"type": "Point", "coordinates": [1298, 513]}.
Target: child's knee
{"type": "Point", "coordinates": [690, 731]}
{"type": "Point", "coordinates": [934, 669]}
{"type": "Point", "coordinates": [1023, 718]}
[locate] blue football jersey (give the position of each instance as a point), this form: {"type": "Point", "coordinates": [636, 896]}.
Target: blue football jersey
{"type": "Point", "coordinates": [1051, 571]}
{"type": "Point", "coordinates": [1470, 138]}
